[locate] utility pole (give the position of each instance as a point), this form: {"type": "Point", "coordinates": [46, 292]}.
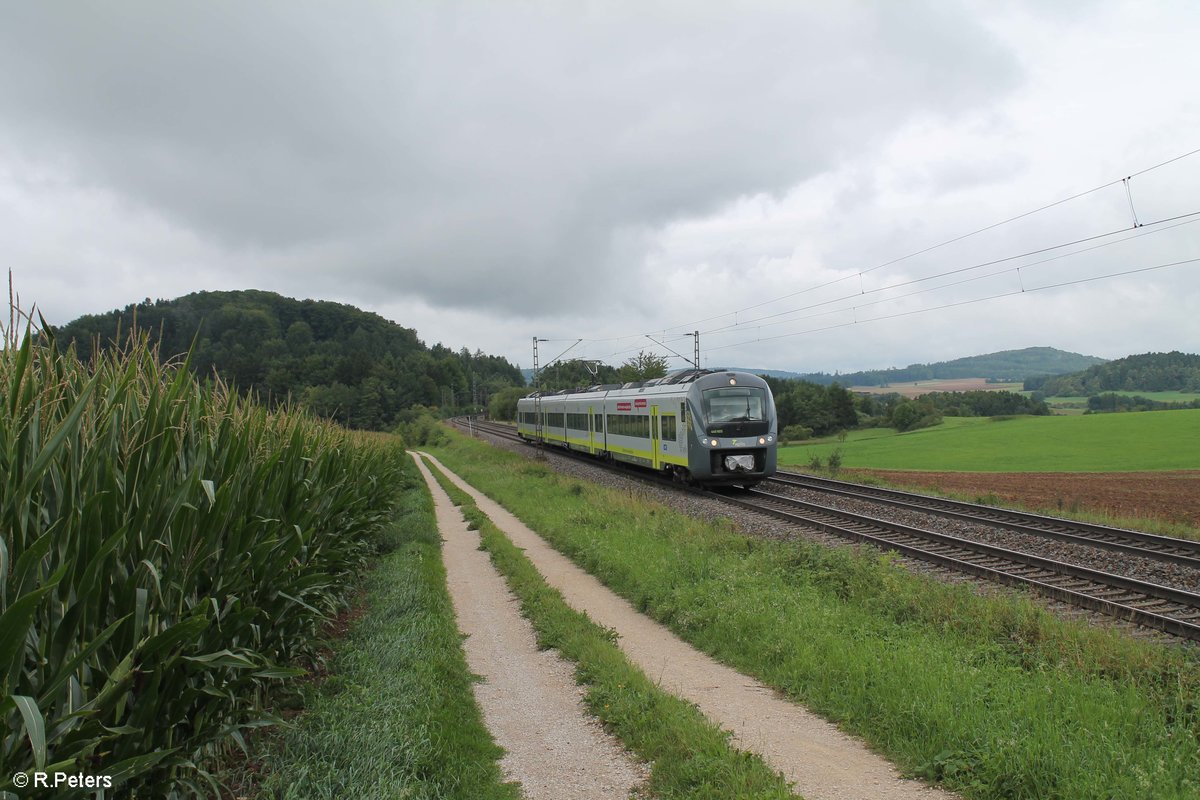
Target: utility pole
{"type": "Point", "coordinates": [537, 400]}
{"type": "Point", "coordinates": [537, 385]}
{"type": "Point", "coordinates": [696, 360]}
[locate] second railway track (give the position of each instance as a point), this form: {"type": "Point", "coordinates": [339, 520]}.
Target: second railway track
{"type": "Point", "coordinates": [1167, 549]}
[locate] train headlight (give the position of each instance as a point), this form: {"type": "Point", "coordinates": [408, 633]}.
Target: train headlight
{"type": "Point", "coordinates": [762, 440]}
{"type": "Point", "coordinates": [771, 438]}
{"type": "Point", "coordinates": [714, 442]}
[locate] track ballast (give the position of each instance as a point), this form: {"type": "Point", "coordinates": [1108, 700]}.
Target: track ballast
{"type": "Point", "coordinates": [1166, 608]}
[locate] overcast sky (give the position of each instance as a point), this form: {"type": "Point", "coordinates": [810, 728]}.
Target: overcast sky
{"type": "Point", "coordinates": [487, 172]}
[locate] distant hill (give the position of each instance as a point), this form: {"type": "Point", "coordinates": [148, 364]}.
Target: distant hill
{"type": "Point", "coordinates": [770, 373]}
{"type": "Point", "coordinates": [1004, 366]}
{"type": "Point", "coordinates": [1148, 372]}
{"type": "Point", "coordinates": [337, 360]}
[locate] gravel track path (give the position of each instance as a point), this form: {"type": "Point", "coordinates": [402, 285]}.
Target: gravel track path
{"type": "Point", "coordinates": [823, 762]}
{"type": "Point", "coordinates": [529, 697]}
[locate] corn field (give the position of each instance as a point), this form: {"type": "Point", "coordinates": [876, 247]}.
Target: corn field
{"type": "Point", "coordinates": [167, 550]}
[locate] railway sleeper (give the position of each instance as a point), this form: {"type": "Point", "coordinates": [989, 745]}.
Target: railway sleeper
{"type": "Point", "coordinates": [1123, 597]}
{"type": "Point", "coordinates": [1154, 604]}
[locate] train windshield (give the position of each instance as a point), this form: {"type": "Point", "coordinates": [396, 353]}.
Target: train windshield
{"type": "Point", "coordinates": [735, 404]}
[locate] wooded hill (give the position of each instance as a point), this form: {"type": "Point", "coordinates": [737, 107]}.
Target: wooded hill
{"type": "Point", "coordinates": [1148, 372]}
{"type": "Point", "coordinates": [1004, 366]}
{"type": "Point", "coordinates": [337, 360]}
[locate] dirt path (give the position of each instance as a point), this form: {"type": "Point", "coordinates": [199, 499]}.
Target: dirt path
{"type": "Point", "coordinates": [824, 763]}
{"type": "Point", "coordinates": [529, 697]}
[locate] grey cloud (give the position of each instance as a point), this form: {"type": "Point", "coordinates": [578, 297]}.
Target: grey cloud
{"type": "Point", "coordinates": [473, 154]}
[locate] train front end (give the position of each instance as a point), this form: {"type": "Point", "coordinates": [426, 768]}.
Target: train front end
{"type": "Point", "coordinates": [733, 434]}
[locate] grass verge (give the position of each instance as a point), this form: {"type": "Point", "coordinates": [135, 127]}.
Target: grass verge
{"type": "Point", "coordinates": [396, 716]}
{"type": "Point", "coordinates": [991, 696]}
{"type": "Point", "coordinates": [691, 757]}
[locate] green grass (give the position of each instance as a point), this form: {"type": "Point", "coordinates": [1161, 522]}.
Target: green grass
{"type": "Point", "coordinates": [992, 696]}
{"type": "Point", "coordinates": [1162, 440]}
{"type": "Point", "coordinates": [690, 757]}
{"type": "Point", "coordinates": [396, 716]}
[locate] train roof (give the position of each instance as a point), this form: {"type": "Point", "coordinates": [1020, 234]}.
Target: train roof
{"type": "Point", "coordinates": [678, 377]}
{"type": "Point", "coordinates": [671, 378]}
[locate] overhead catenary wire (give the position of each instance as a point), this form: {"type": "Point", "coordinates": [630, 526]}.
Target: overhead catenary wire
{"type": "Point", "coordinates": [1146, 229]}
{"type": "Point", "coordinates": [1188, 219]}
{"type": "Point", "coordinates": [948, 242]}
{"type": "Point", "coordinates": [744, 324]}
{"type": "Point", "coordinates": [972, 301]}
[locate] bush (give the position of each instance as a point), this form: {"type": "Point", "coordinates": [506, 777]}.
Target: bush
{"type": "Point", "coordinates": [796, 433]}
{"type": "Point", "coordinates": [419, 428]}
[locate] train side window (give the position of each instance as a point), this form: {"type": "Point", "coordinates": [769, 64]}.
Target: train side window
{"type": "Point", "coordinates": [668, 427]}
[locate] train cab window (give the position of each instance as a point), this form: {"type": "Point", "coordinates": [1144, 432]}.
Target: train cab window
{"type": "Point", "coordinates": [735, 404]}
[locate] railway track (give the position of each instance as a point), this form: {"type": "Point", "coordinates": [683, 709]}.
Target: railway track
{"type": "Point", "coordinates": [1138, 543]}
{"type": "Point", "coordinates": [493, 428]}
{"type": "Point", "coordinates": [1165, 608]}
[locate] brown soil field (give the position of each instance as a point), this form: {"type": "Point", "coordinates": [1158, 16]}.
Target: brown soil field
{"type": "Point", "coordinates": [924, 387]}
{"type": "Point", "coordinates": [1167, 496]}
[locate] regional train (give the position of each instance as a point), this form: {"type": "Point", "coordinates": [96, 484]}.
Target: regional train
{"type": "Point", "coordinates": [699, 426]}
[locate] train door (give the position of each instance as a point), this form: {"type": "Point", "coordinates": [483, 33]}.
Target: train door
{"type": "Point", "coordinates": [655, 437]}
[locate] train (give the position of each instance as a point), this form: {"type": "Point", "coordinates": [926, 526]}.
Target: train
{"type": "Point", "coordinates": [698, 426]}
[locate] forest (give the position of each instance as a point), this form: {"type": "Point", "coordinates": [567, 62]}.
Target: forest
{"type": "Point", "coordinates": [338, 361]}
{"type": "Point", "coordinates": [1148, 372]}
{"type": "Point", "coordinates": [364, 371]}
{"type": "Point", "coordinates": [808, 409]}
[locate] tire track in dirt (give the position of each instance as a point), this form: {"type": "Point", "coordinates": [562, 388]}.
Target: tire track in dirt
{"type": "Point", "coordinates": [529, 697]}
{"type": "Point", "coordinates": [823, 762]}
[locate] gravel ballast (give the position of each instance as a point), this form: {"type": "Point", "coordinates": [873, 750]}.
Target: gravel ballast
{"type": "Point", "coordinates": [764, 526]}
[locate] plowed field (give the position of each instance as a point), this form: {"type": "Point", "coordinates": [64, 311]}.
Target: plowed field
{"type": "Point", "coordinates": [1168, 496]}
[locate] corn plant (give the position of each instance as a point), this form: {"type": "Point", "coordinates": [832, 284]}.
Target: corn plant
{"type": "Point", "coordinates": [168, 551]}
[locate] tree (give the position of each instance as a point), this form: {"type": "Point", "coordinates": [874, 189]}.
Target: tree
{"type": "Point", "coordinates": [336, 360]}
{"type": "Point", "coordinates": [574, 374]}
{"type": "Point", "coordinates": [503, 404]}
{"type": "Point", "coordinates": [841, 403]}
{"type": "Point", "coordinates": [643, 367]}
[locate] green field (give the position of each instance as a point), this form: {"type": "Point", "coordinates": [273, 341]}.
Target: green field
{"type": "Point", "coordinates": [1160, 440]}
